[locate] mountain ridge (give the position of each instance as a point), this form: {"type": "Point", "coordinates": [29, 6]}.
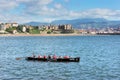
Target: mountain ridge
{"type": "Point", "coordinates": [81, 23]}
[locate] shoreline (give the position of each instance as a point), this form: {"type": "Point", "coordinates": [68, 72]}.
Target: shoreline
{"type": "Point", "coordinates": [47, 34]}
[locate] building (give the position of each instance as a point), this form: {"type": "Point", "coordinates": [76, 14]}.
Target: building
{"type": "Point", "coordinates": [8, 25]}
{"type": "Point", "coordinates": [24, 29]}
{"type": "Point", "coordinates": [82, 31]}
{"type": "Point", "coordinates": [14, 24]}
{"type": "Point", "coordinates": [55, 27]}
{"type": "Point", "coordinates": [65, 27]}
{"type": "Point", "coordinates": [14, 31]}
{"type": "Point", "coordinates": [51, 27]}
{"type": "Point", "coordinates": [2, 26]}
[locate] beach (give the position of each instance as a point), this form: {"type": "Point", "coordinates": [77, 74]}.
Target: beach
{"type": "Point", "coordinates": [22, 34]}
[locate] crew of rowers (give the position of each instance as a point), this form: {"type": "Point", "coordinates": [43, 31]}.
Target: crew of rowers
{"type": "Point", "coordinates": [51, 57]}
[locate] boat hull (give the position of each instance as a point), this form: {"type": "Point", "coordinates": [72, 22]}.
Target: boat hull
{"type": "Point", "coordinates": [77, 59]}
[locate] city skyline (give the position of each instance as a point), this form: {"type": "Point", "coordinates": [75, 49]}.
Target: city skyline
{"type": "Point", "coordinates": [22, 11]}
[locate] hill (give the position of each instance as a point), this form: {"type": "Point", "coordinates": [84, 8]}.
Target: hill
{"type": "Point", "coordinates": [36, 23]}
{"type": "Point", "coordinates": [82, 23]}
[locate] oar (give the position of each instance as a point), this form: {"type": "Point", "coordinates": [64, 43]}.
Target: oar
{"type": "Point", "coordinates": [18, 58]}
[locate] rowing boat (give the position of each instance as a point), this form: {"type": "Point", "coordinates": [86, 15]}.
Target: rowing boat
{"type": "Point", "coordinates": [76, 59]}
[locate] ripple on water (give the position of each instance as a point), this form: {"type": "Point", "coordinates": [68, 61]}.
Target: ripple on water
{"type": "Point", "coordinates": [100, 58]}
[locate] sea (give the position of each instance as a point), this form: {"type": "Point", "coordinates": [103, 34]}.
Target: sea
{"type": "Point", "coordinates": [99, 57]}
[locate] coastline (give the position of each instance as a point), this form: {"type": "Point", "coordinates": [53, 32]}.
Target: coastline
{"type": "Point", "coordinates": [22, 34]}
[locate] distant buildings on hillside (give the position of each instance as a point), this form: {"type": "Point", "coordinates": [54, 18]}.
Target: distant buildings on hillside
{"type": "Point", "coordinates": [57, 27]}
{"type": "Point", "coordinates": [107, 30]}
{"type": "Point", "coordinates": [4, 26]}
{"type": "Point", "coordinates": [66, 28]}
{"type": "Point", "coordinates": [62, 28]}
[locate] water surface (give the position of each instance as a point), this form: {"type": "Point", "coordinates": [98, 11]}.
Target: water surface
{"type": "Point", "coordinates": [100, 58]}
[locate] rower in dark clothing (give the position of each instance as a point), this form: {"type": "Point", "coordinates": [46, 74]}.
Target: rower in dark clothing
{"type": "Point", "coordinates": [49, 56]}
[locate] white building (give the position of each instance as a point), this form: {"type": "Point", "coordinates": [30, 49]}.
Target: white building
{"type": "Point", "coordinates": [15, 24]}
{"type": "Point", "coordinates": [24, 29]}
{"type": "Point", "coordinates": [14, 31]}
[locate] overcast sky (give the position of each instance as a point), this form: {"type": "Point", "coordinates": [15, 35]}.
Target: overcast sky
{"type": "Point", "coordinates": [23, 11]}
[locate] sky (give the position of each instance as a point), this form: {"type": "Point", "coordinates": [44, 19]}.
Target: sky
{"type": "Point", "coordinates": [22, 11]}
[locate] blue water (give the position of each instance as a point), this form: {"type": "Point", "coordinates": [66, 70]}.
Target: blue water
{"type": "Point", "coordinates": [100, 58]}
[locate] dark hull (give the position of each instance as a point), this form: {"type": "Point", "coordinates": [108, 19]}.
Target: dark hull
{"type": "Point", "coordinates": [77, 59]}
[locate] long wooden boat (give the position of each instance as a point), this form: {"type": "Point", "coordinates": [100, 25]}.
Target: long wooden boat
{"type": "Point", "coordinates": [77, 59]}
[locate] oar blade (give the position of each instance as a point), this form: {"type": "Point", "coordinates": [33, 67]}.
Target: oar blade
{"type": "Point", "coordinates": [18, 58]}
